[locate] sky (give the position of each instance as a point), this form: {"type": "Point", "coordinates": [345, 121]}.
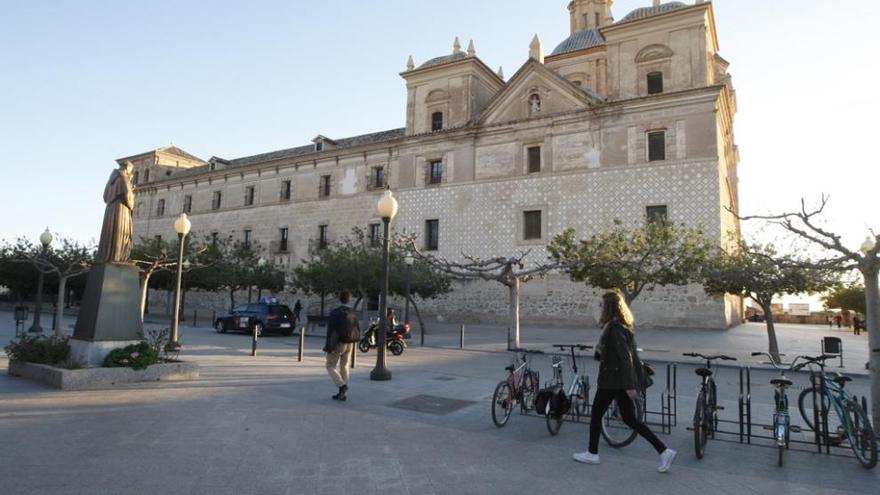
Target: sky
{"type": "Point", "coordinates": [85, 82]}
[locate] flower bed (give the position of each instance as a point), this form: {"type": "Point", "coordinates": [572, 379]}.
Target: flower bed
{"type": "Point", "coordinates": [102, 378]}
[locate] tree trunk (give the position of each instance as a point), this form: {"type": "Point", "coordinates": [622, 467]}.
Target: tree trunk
{"type": "Point", "coordinates": [513, 291]}
{"type": "Point", "coordinates": [422, 327]}
{"type": "Point", "coordinates": [773, 344]}
{"type": "Point", "coordinates": [323, 295]}
{"type": "Point", "coordinates": [231, 299]}
{"type": "Point", "coordinates": [872, 314]}
{"type": "Point", "coordinates": [59, 307]}
{"type": "Point", "coordinates": [145, 290]}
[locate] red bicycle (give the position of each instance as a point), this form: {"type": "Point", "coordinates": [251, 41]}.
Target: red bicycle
{"type": "Point", "coordinates": [520, 387]}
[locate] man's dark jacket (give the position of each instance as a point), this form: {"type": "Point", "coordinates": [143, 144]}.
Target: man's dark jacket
{"type": "Point", "coordinates": [341, 321]}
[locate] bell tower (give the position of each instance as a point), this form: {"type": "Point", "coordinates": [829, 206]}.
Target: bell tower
{"type": "Point", "coordinates": [589, 14]}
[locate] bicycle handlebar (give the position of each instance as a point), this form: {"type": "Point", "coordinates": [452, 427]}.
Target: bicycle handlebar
{"type": "Point", "coordinates": [527, 351]}
{"type": "Point", "coordinates": [709, 358]}
{"type": "Point", "coordinates": [580, 347]}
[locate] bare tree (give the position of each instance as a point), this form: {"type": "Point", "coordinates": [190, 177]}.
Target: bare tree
{"type": "Point", "coordinates": [806, 224]}
{"type": "Point", "coordinates": [510, 272]}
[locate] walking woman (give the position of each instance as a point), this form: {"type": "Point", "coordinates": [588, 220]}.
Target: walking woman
{"type": "Point", "coordinates": [621, 376]}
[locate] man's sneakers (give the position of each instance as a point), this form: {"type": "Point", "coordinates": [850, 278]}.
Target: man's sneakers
{"type": "Point", "coordinates": [586, 457]}
{"type": "Point", "coordinates": [341, 395]}
{"type": "Point", "coordinates": [666, 459]}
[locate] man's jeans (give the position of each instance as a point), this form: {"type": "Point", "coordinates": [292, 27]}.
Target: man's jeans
{"type": "Point", "coordinates": [338, 362]}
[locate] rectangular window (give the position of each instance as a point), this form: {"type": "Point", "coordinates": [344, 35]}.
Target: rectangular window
{"type": "Point", "coordinates": [147, 175]}
{"type": "Point", "coordinates": [134, 179]}
{"type": "Point", "coordinates": [374, 234]}
{"type": "Point", "coordinates": [216, 200]}
{"type": "Point", "coordinates": [285, 190]}
{"type": "Point", "coordinates": [532, 225]}
{"type": "Point", "coordinates": [534, 157]}
{"type": "Point", "coordinates": [324, 190]}
{"type": "Point", "coordinates": [656, 213]}
{"type": "Point", "coordinates": [282, 243]}
{"type": "Point", "coordinates": [187, 204]}
{"type": "Point", "coordinates": [160, 208]}
{"type": "Point", "coordinates": [319, 146]}
{"type": "Point", "coordinates": [247, 239]}
{"type": "Point", "coordinates": [249, 196]}
{"type": "Point", "coordinates": [598, 20]}
{"type": "Point", "coordinates": [655, 83]}
{"type": "Point", "coordinates": [435, 172]}
{"type": "Point", "coordinates": [432, 235]}
{"type": "Point", "coordinates": [322, 236]}
{"type": "Point", "coordinates": [379, 177]}
{"type": "Point", "coordinates": [437, 121]}
{"type": "Point", "coordinates": [656, 146]}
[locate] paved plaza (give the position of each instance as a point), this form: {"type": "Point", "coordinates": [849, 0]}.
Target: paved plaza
{"type": "Point", "coordinates": [266, 425]}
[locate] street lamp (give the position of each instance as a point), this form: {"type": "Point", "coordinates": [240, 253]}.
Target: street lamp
{"type": "Point", "coordinates": [45, 240]}
{"type": "Point", "coordinates": [408, 261]}
{"type": "Point", "coordinates": [261, 263]}
{"type": "Point", "coordinates": [387, 210]}
{"type": "Point", "coordinates": [867, 246]}
{"type": "Point", "coordinates": [181, 226]}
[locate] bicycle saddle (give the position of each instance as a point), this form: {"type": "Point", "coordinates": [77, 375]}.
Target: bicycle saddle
{"type": "Point", "coordinates": [785, 382]}
{"type": "Point", "coordinates": [841, 379]}
{"type": "Point", "coordinates": [510, 367]}
{"type": "Point", "coordinates": [704, 372]}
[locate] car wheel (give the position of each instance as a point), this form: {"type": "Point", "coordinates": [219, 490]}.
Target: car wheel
{"type": "Point", "coordinates": [220, 326]}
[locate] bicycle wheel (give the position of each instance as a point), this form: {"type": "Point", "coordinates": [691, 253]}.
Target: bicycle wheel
{"type": "Point", "coordinates": [580, 397]}
{"type": "Point", "coordinates": [712, 409]}
{"type": "Point", "coordinates": [861, 436]}
{"type": "Point", "coordinates": [530, 386]}
{"type": "Point", "coordinates": [615, 432]}
{"type": "Point", "coordinates": [805, 405]}
{"type": "Point", "coordinates": [502, 404]}
{"type": "Point", "coordinates": [700, 426]}
{"type": "Point", "coordinates": [554, 423]}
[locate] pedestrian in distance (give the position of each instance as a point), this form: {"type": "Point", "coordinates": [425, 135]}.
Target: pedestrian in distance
{"type": "Point", "coordinates": [857, 325]}
{"type": "Point", "coordinates": [297, 309]}
{"type": "Point", "coordinates": [621, 377]}
{"type": "Point", "coordinates": [343, 331]}
{"type": "Point", "coordinates": [838, 319]}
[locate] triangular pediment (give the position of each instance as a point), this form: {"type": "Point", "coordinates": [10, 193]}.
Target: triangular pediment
{"type": "Point", "coordinates": [535, 92]}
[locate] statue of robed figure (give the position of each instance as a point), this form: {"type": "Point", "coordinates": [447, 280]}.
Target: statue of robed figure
{"type": "Point", "coordinates": [116, 232]}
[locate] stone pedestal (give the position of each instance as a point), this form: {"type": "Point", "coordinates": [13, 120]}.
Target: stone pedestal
{"type": "Point", "coordinates": [110, 315]}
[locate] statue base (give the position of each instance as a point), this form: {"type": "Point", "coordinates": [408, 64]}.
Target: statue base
{"type": "Point", "coordinates": [92, 354]}
{"type": "Point", "coordinates": [111, 305]}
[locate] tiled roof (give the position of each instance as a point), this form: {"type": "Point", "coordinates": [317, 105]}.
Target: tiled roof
{"type": "Point", "coordinates": [444, 60]}
{"type": "Point", "coordinates": [580, 40]}
{"type": "Point", "coordinates": [174, 150]}
{"type": "Point", "coordinates": [652, 11]}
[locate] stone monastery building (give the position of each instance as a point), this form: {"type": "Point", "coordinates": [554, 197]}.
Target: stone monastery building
{"type": "Point", "coordinates": [626, 119]}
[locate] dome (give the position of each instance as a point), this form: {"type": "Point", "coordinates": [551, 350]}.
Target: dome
{"type": "Point", "coordinates": [580, 40]}
{"type": "Point", "coordinates": [652, 11]}
{"type": "Point", "coordinates": [444, 60]}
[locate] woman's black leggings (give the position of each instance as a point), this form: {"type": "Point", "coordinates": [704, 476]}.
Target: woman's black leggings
{"type": "Point", "coordinates": [601, 401]}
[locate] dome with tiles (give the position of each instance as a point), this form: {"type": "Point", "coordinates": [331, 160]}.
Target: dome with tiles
{"type": "Point", "coordinates": [652, 11]}
{"type": "Point", "coordinates": [580, 40]}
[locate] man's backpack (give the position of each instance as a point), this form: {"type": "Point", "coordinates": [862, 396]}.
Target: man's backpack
{"type": "Point", "coordinates": [344, 320]}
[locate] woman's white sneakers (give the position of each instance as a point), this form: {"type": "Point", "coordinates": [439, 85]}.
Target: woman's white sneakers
{"type": "Point", "coordinates": [666, 459]}
{"type": "Point", "coordinates": [586, 457]}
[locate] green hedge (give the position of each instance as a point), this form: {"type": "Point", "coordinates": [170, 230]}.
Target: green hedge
{"type": "Point", "coordinates": [136, 356]}
{"type": "Point", "coordinates": [39, 349]}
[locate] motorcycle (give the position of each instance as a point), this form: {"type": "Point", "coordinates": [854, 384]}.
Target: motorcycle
{"type": "Point", "coordinates": [394, 338]}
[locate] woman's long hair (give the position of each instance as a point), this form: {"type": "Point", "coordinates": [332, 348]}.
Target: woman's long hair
{"type": "Point", "coordinates": [614, 308]}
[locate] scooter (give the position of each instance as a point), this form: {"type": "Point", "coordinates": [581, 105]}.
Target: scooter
{"type": "Point", "coordinates": [394, 339]}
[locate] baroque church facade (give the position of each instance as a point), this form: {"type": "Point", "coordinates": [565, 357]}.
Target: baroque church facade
{"type": "Point", "coordinates": [625, 119]}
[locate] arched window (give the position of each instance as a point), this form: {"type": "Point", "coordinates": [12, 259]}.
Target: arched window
{"type": "Point", "coordinates": [437, 121]}
{"type": "Point", "coordinates": [655, 83]}
{"type": "Point", "coordinates": [146, 175]}
{"type": "Point", "coordinates": [134, 179]}
{"type": "Point", "coordinates": [534, 104]}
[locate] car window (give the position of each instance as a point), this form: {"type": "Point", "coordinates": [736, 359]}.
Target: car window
{"type": "Point", "coordinates": [279, 310]}
{"type": "Point", "coordinates": [255, 308]}
{"type": "Point", "coordinates": [241, 307]}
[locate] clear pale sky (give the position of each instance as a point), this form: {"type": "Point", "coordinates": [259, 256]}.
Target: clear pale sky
{"type": "Point", "coordinates": [85, 82]}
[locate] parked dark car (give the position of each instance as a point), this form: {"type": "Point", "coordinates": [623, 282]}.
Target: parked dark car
{"type": "Point", "coordinates": [757, 318]}
{"type": "Point", "coordinates": [266, 318]}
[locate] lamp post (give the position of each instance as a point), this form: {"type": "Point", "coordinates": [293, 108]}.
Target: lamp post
{"type": "Point", "coordinates": [869, 244]}
{"type": "Point", "coordinates": [387, 209]}
{"type": "Point", "coordinates": [181, 226]}
{"type": "Point", "coordinates": [261, 263]}
{"type": "Point", "coordinates": [408, 261]}
{"type": "Point", "coordinates": [45, 240]}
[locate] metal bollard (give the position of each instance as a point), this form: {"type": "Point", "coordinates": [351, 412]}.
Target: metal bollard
{"type": "Point", "coordinates": [195, 318]}
{"type": "Point", "coordinates": [508, 338]}
{"type": "Point", "coordinates": [353, 356]}
{"type": "Point", "coordinates": [302, 343]}
{"type": "Point", "coordinates": [213, 317]}
{"type": "Point", "coordinates": [254, 342]}
{"type": "Point", "coordinates": [461, 337]}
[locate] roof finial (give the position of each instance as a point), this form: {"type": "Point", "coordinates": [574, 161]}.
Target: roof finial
{"type": "Point", "coordinates": [536, 50]}
{"type": "Point", "coordinates": [501, 72]}
{"type": "Point", "coordinates": [471, 50]}
{"type": "Point", "coordinates": [410, 65]}
{"type": "Point", "coordinates": [656, 3]}
{"type": "Point", "coordinates": [456, 46]}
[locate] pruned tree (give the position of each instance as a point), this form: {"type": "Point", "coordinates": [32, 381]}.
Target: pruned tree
{"type": "Point", "coordinates": [806, 223]}
{"type": "Point", "coordinates": [226, 264]}
{"type": "Point", "coordinates": [759, 273]}
{"type": "Point", "coordinates": [157, 257]}
{"type": "Point", "coordinates": [510, 272]}
{"type": "Point", "coordinates": [20, 278]}
{"type": "Point", "coordinates": [849, 297]}
{"type": "Point", "coordinates": [633, 260]}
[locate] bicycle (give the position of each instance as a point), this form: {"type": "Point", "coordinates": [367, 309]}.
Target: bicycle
{"type": "Point", "coordinates": [782, 427]}
{"type": "Point", "coordinates": [615, 432]}
{"type": "Point", "coordinates": [852, 420]}
{"type": "Point", "coordinates": [520, 387]}
{"type": "Point", "coordinates": [578, 390]}
{"type": "Point", "coordinates": [706, 411]}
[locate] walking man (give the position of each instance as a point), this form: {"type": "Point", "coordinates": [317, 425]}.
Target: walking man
{"type": "Point", "coordinates": [343, 330]}
{"type": "Point", "coordinates": [297, 309]}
